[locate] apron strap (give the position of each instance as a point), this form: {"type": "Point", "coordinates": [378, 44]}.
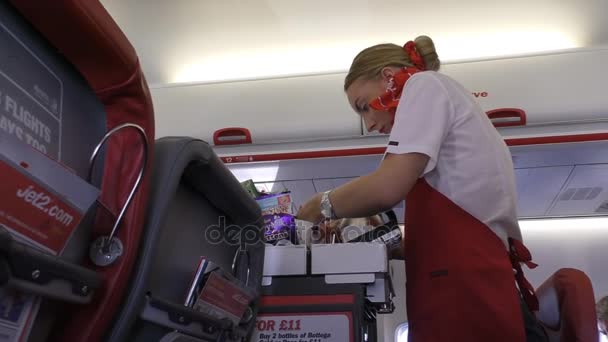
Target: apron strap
{"type": "Point", "coordinates": [520, 254]}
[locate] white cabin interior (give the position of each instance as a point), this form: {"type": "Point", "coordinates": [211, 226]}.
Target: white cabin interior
{"type": "Point", "coordinates": [276, 68]}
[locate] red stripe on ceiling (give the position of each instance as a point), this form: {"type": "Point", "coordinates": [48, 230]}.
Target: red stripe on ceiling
{"type": "Point", "coordinates": [559, 139]}
{"type": "Point", "coordinates": [380, 150]}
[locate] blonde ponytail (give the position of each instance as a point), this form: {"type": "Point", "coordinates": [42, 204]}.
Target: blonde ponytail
{"type": "Point", "coordinates": [368, 64]}
{"type": "Point", "coordinates": [426, 49]}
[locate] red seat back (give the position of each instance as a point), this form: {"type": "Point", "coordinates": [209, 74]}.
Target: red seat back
{"type": "Point", "coordinates": [91, 41]}
{"type": "Point", "coordinates": [567, 307]}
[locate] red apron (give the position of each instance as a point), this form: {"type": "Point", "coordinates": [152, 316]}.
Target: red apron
{"type": "Point", "coordinates": [460, 280]}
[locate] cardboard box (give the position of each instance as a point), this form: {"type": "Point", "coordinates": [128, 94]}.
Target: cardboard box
{"type": "Point", "coordinates": [284, 260]}
{"type": "Point", "coordinates": [349, 258]}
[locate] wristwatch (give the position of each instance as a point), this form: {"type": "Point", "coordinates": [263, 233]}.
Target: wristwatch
{"type": "Point", "coordinates": [326, 209]}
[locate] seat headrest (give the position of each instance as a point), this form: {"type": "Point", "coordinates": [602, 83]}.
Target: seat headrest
{"type": "Point", "coordinates": [193, 162]}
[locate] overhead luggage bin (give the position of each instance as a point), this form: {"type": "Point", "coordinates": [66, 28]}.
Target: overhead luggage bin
{"type": "Point", "coordinates": [269, 110]}
{"type": "Point", "coordinates": [535, 99]}
{"type": "Point", "coordinates": [541, 99]}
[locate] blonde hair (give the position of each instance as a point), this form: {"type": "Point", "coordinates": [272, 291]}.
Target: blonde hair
{"type": "Point", "coordinates": [602, 309]}
{"type": "Point", "coordinates": [370, 62]}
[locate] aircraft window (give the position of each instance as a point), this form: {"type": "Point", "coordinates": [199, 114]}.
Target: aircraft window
{"type": "Point", "coordinates": [401, 333]}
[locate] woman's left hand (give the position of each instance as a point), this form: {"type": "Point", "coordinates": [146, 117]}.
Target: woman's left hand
{"type": "Point", "coordinates": [311, 210]}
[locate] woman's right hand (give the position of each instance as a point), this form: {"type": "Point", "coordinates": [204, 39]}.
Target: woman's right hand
{"type": "Point", "coordinates": [328, 229]}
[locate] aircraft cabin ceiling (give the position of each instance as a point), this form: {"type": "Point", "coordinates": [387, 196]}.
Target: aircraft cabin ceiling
{"type": "Point", "coordinates": [209, 40]}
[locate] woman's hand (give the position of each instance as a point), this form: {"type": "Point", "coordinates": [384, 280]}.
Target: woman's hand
{"type": "Point", "coordinates": [311, 210]}
{"type": "Point", "coordinates": [371, 194]}
{"type": "Point", "coordinates": [331, 231]}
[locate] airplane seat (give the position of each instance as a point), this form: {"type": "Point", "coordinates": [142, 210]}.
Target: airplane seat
{"type": "Point", "coordinates": [188, 204]}
{"type": "Point", "coordinates": [83, 39]}
{"type": "Point", "coordinates": [197, 208]}
{"type": "Point", "coordinates": [567, 307]}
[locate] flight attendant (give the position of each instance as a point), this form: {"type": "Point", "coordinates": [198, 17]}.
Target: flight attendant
{"type": "Point", "coordinates": [462, 246]}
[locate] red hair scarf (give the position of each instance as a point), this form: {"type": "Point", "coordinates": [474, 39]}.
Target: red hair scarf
{"type": "Point", "coordinates": [390, 99]}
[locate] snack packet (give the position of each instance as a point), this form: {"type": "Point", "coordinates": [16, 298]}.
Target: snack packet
{"type": "Point", "coordinates": [279, 221]}
{"type": "Point", "coordinates": [275, 203]}
{"type": "Point", "coordinates": [249, 186]}
{"type": "Point", "coordinates": [280, 227]}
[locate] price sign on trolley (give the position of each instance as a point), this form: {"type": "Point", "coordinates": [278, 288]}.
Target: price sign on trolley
{"type": "Point", "coordinates": [305, 327]}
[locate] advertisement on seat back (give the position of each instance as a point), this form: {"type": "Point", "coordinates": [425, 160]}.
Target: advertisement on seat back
{"type": "Point", "coordinates": [47, 106]}
{"type": "Point", "coordinates": [30, 107]}
{"type": "Point", "coordinates": [41, 205]}
{"type": "Point", "coordinates": [41, 201]}
{"type": "Point", "coordinates": [305, 327]}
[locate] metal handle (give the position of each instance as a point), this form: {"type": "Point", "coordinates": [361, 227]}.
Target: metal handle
{"type": "Point", "coordinates": [507, 117]}
{"type": "Point", "coordinates": [235, 261]}
{"type": "Point", "coordinates": [232, 136]}
{"type": "Point", "coordinates": [105, 242]}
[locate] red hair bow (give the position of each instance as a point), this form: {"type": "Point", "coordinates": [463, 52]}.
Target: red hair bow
{"type": "Point", "coordinates": [390, 99]}
{"type": "Point", "coordinates": [412, 52]}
